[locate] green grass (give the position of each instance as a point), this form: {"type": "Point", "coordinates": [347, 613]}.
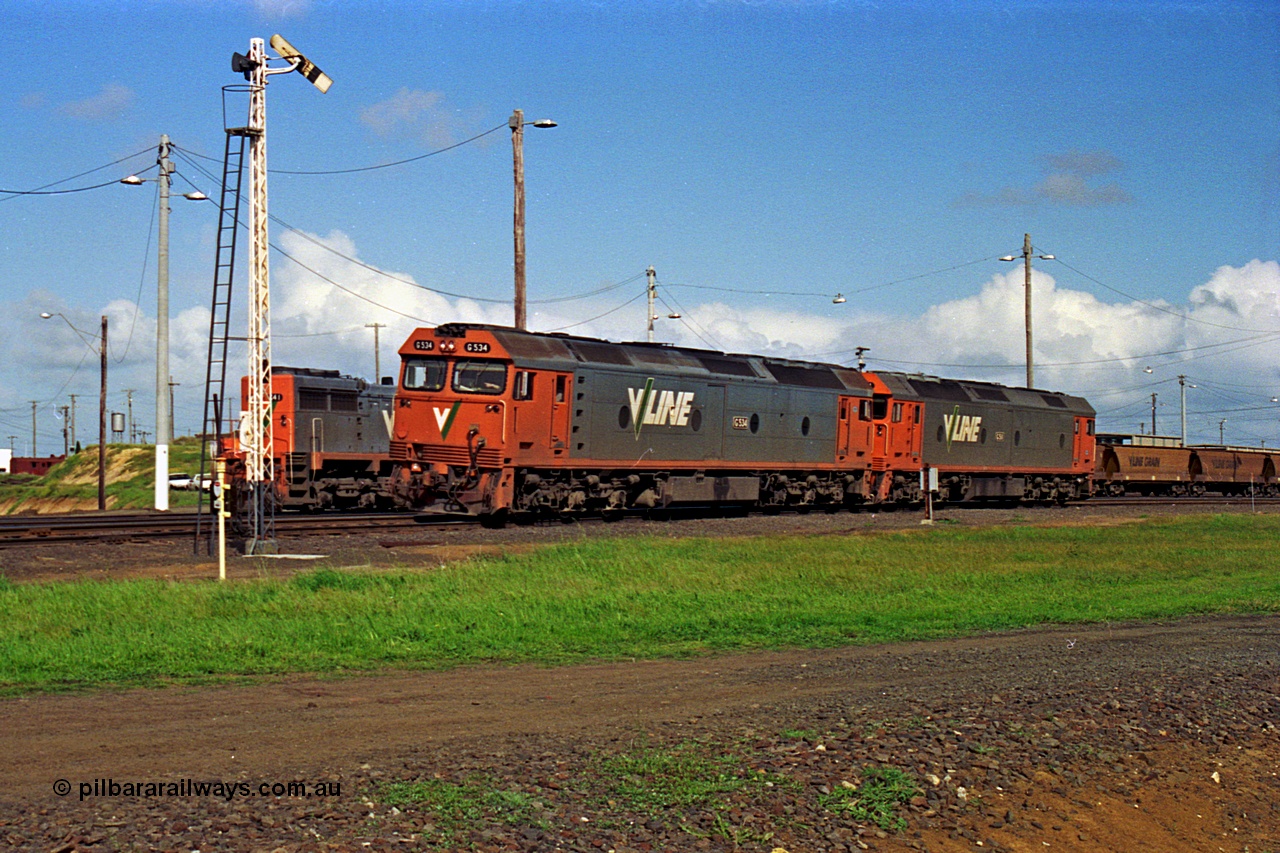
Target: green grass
{"type": "Point", "coordinates": [653, 780]}
{"type": "Point", "coordinates": [637, 598]}
{"type": "Point", "coordinates": [455, 805]}
{"type": "Point", "coordinates": [876, 800]}
{"type": "Point", "coordinates": [130, 488]}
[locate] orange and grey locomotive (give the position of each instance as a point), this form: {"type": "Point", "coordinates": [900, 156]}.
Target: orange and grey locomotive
{"type": "Point", "coordinates": [494, 422]}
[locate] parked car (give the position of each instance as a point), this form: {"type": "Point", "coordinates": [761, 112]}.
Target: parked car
{"type": "Point", "coordinates": [184, 482]}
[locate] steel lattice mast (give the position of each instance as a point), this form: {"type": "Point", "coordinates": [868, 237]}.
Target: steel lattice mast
{"type": "Point", "coordinates": [257, 431]}
{"type": "Point", "coordinates": [259, 453]}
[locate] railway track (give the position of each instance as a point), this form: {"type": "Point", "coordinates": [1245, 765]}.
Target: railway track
{"type": "Point", "coordinates": [131, 527]}
{"type": "Point", "coordinates": [137, 526]}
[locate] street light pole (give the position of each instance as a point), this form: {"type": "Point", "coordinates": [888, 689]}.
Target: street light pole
{"type": "Point", "coordinates": [1182, 392]}
{"type": "Point", "coordinates": [164, 422]}
{"type": "Point", "coordinates": [517, 123]}
{"type": "Point", "coordinates": [164, 430]}
{"type": "Point", "coordinates": [1026, 256]}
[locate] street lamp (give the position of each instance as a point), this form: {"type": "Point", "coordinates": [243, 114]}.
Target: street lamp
{"type": "Point", "coordinates": [1026, 256]}
{"type": "Point", "coordinates": [164, 426]}
{"type": "Point", "coordinates": [517, 124]}
{"type": "Point", "coordinates": [653, 294]}
{"type": "Point", "coordinates": [1182, 391]}
{"type": "Point", "coordinates": [102, 404]}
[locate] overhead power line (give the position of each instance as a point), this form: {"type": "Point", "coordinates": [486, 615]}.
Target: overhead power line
{"type": "Point", "coordinates": [363, 168]}
{"type": "Point", "coordinates": [44, 190]}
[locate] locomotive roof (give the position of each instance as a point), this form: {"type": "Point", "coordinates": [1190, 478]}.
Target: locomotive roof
{"type": "Point", "coordinates": [568, 352]}
{"type": "Point", "coordinates": [922, 387]}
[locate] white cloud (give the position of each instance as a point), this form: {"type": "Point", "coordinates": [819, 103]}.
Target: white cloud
{"type": "Point", "coordinates": [1066, 183]}
{"type": "Point", "coordinates": [419, 115]}
{"type": "Point", "coordinates": [282, 9]}
{"type": "Point", "coordinates": [1083, 344]}
{"type": "Point", "coordinates": [112, 101]}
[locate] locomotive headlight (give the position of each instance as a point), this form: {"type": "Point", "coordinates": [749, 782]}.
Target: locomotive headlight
{"type": "Point", "coordinates": [448, 346]}
{"type": "Point", "coordinates": [415, 468]}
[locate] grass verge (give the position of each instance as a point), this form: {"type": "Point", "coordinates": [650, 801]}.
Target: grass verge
{"type": "Point", "coordinates": [638, 597]}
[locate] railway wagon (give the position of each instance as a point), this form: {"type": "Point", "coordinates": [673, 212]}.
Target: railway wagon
{"type": "Point", "coordinates": [990, 442]}
{"type": "Point", "coordinates": [330, 439]}
{"type": "Point", "coordinates": [490, 421]}
{"type": "Point", "coordinates": [1238, 470]}
{"type": "Point", "coordinates": [1160, 465]}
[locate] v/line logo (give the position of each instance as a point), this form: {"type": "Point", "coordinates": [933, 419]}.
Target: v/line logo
{"type": "Point", "coordinates": [959, 427]}
{"type": "Point", "coordinates": [665, 408]}
{"type": "Point", "coordinates": [444, 418]}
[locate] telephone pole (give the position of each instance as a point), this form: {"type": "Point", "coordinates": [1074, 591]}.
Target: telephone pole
{"type": "Point", "coordinates": [66, 448]}
{"type": "Point", "coordinates": [377, 351]}
{"type": "Point", "coordinates": [1026, 257]}
{"type": "Point", "coordinates": [1182, 391]}
{"type": "Point", "coordinates": [517, 123]}
{"type": "Point", "coordinates": [1153, 413]}
{"type": "Point", "coordinates": [33, 428]}
{"type": "Point", "coordinates": [653, 292]}
{"type": "Point", "coordinates": [73, 420]}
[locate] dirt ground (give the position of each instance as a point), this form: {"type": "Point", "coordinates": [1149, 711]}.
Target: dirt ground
{"type": "Point", "coordinates": [1133, 737]}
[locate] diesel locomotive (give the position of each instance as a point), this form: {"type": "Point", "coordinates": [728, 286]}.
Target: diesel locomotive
{"type": "Point", "coordinates": [498, 423]}
{"type": "Point", "coordinates": [330, 440]}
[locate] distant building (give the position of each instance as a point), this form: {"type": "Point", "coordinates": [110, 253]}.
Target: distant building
{"type": "Point", "coordinates": [38, 465]}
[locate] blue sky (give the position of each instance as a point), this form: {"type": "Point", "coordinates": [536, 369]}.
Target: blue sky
{"type": "Point", "coordinates": [761, 156]}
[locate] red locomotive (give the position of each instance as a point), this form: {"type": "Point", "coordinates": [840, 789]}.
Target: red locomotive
{"type": "Point", "coordinates": [494, 422]}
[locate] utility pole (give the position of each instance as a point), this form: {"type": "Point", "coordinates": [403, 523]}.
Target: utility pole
{"type": "Point", "coordinates": [1182, 392]}
{"type": "Point", "coordinates": [862, 361]}
{"type": "Point", "coordinates": [1222, 425]}
{"type": "Point", "coordinates": [102, 424]}
{"type": "Point", "coordinates": [1153, 413]}
{"type": "Point", "coordinates": [33, 429]}
{"type": "Point", "coordinates": [653, 292]}
{"type": "Point", "coordinates": [65, 414]}
{"type": "Point", "coordinates": [1026, 256]}
{"type": "Point", "coordinates": [164, 431]}
{"type": "Point", "coordinates": [73, 420]}
{"type": "Point", "coordinates": [133, 433]}
{"type": "Point", "coordinates": [517, 123]}
{"type": "Point", "coordinates": [377, 351]}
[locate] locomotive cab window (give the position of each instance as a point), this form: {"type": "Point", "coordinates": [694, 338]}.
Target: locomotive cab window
{"type": "Point", "coordinates": [864, 411]}
{"type": "Point", "coordinates": [424, 374]}
{"type": "Point", "coordinates": [524, 385]}
{"type": "Point", "coordinates": [897, 413]}
{"type": "Point", "coordinates": [479, 377]}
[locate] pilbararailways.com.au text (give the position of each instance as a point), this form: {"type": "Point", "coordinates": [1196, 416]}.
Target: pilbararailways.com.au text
{"type": "Point", "coordinates": [193, 788]}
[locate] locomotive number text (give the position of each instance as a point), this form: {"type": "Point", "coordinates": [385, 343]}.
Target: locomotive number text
{"type": "Point", "coordinates": [424, 346]}
{"type": "Point", "coordinates": [476, 346]}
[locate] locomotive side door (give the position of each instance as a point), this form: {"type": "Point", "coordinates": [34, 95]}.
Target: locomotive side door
{"type": "Point", "coordinates": [563, 391]}
{"type": "Point", "coordinates": [853, 438]}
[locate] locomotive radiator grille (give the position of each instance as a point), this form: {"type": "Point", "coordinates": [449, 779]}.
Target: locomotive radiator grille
{"type": "Point", "coordinates": [486, 458]}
